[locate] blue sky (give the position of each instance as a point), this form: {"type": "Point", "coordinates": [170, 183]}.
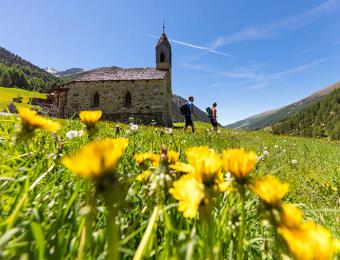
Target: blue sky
{"type": "Point", "coordinates": [248, 56]}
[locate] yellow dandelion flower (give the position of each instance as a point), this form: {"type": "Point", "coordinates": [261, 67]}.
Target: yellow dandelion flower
{"type": "Point", "coordinates": [89, 118]}
{"type": "Point", "coordinates": [173, 157]}
{"type": "Point", "coordinates": [291, 216]}
{"type": "Point", "coordinates": [30, 120]}
{"type": "Point", "coordinates": [238, 162]}
{"type": "Point", "coordinates": [96, 159]}
{"type": "Point", "coordinates": [310, 241]}
{"type": "Point", "coordinates": [144, 175]}
{"type": "Point", "coordinates": [206, 162]}
{"type": "Point", "coordinates": [142, 157]}
{"type": "Point", "coordinates": [269, 189]}
{"type": "Point", "coordinates": [189, 192]}
{"type": "Point", "coordinates": [224, 186]}
{"type": "Point", "coordinates": [182, 167]}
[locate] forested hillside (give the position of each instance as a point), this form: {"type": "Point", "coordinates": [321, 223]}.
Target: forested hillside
{"type": "Point", "coordinates": [272, 117]}
{"type": "Point", "coordinates": [321, 119]}
{"type": "Point", "coordinates": [17, 72]}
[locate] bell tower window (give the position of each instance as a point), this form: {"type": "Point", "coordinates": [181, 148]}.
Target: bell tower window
{"type": "Point", "coordinates": [162, 57]}
{"type": "Point", "coordinates": [96, 100]}
{"type": "Point", "coordinates": [127, 99]}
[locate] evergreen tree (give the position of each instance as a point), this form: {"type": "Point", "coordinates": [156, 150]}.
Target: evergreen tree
{"type": "Point", "coordinates": [5, 79]}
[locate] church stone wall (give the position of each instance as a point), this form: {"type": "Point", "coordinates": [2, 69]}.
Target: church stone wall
{"type": "Point", "coordinates": [150, 100]}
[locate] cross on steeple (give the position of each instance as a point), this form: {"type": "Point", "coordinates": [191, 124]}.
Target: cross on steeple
{"type": "Point", "coordinates": [163, 25]}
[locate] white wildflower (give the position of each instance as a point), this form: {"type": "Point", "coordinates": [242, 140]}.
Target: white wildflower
{"type": "Point", "coordinates": [276, 146]}
{"type": "Point", "coordinates": [72, 134]}
{"type": "Point", "coordinates": [134, 127]}
{"type": "Point", "coordinates": [265, 152]}
{"type": "Point", "coordinates": [168, 130]}
{"type": "Point", "coordinates": [294, 161]}
{"type": "Point", "coordinates": [80, 133]}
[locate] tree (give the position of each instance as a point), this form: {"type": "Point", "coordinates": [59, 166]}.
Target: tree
{"type": "Point", "coordinates": [5, 79]}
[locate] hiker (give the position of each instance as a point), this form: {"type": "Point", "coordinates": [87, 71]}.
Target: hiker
{"type": "Point", "coordinates": [212, 115]}
{"type": "Point", "coordinates": [187, 109]}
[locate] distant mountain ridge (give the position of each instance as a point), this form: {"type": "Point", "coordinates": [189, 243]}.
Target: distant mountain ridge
{"type": "Point", "coordinates": [8, 58]}
{"type": "Point", "coordinates": [271, 117]}
{"type": "Point", "coordinates": [63, 73]}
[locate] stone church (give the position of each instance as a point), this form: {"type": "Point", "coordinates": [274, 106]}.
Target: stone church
{"type": "Point", "coordinates": [142, 93]}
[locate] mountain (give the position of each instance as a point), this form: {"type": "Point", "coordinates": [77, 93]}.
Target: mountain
{"type": "Point", "coordinates": [320, 119]}
{"type": "Point", "coordinates": [177, 102]}
{"type": "Point", "coordinates": [20, 73]}
{"type": "Point", "coordinates": [69, 72]}
{"type": "Point", "coordinates": [64, 73]}
{"type": "Point", "coordinates": [51, 70]}
{"type": "Point", "coordinates": [272, 117]}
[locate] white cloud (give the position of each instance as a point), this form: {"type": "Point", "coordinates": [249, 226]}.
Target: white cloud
{"type": "Point", "coordinates": [258, 86]}
{"type": "Point", "coordinates": [265, 31]}
{"type": "Point", "coordinates": [296, 69]}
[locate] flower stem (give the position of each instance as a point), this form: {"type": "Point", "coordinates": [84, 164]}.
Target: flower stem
{"type": "Point", "coordinates": [112, 234]}
{"type": "Point", "coordinates": [146, 237]}
{"type": "Point", "coordinates": [242, 227]}
{"type": "Point", "coordinates": [89, 218]}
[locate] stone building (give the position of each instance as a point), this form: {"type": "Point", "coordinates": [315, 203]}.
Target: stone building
{"type": "Point", "coordinates": [142, 93]}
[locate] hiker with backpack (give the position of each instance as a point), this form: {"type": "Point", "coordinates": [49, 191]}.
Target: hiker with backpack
{"type": "Point", "coordinates": [212, 115]}
{"type": "Point", "coordinates": [187, 110]}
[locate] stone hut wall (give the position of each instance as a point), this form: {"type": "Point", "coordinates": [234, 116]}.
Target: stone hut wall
{"type": "Point", "coordinates": [150, 100]}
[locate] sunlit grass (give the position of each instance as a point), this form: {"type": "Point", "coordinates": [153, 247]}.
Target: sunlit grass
{"type": "Point", "coordinates": [44, 206]}
{"type": "Point", "coordinates": [7, 95]}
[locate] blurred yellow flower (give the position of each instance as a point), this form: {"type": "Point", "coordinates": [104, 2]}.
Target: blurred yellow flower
{"type": "Point", "coordinates": [224, 186]}
{"type": "Point", "coordinates": [96, 159]}
{"type": "Point", "coordinates": [238, 162]}
{"type": "Point", "coordinates": [142, 157]}
{"type": "Point", "coordinates": [89, 118]}
{"type": "Point", "coordinates": [30, 120]}
{"type": "Point", "coordinates": [190, 193]}
{"type": "Point", "coordinates": [269, 189]}
{"type": "Point", "coordinates": [182, 167]}
{"type": "Point", "coordinates": [173, 157]}
{"type": "Point", "coordinates": [144, 175]}
{"type": "Point", "coordinates": [291, 216]}
{"type": "Point", "coordinates": [310, 241]}
{"type": "Point", "coordinates": [207, 164]}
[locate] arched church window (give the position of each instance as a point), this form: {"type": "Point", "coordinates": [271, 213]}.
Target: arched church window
{"type": "Point", "coordinates": [96, 100]}
{"type": "Point", "coordinates": [162, 57]}
{"type": "Point", "coordinates": [127, 100]}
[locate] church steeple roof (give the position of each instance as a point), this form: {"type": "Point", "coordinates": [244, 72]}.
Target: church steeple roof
{"type": "Point", "coordinates": [163, 40]}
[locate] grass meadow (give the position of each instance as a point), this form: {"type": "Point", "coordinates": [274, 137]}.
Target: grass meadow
{"type": "Point", "coordinates": [44, 207]}
{"type": "Point", "coordinates": [7, 95]}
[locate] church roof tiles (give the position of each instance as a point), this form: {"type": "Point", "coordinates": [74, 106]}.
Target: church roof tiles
{"type": "Point", "coordinates": [114, 73]}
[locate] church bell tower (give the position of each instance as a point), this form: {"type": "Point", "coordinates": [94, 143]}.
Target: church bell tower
{"type": "Point", "coordinates": [163, 53]}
